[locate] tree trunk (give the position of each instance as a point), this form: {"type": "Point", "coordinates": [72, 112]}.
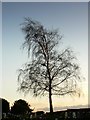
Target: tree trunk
{"type": "Point", "coordinates": [50, 99]}
{"type": "Point", "coordinates": [50, 89]}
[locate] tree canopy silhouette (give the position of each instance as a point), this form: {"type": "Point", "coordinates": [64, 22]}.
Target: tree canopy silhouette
{"type": "Point", "coordinates": [20, 107]}
{"type": "Point", "coordinates": [50, 71]}
{"type": "Point", "coordinates": [5, 105]}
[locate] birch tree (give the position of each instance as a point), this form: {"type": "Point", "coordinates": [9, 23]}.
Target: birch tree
{"type": "Point", "coordinates": [51, 71]}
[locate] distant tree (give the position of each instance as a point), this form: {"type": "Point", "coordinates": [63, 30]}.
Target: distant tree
{"type": "Point", "coordinates": [5, 105]}
{"type": "Point", "coordinates": [50, 71]}
{"type": "Point", "coordinates": [20, 107]}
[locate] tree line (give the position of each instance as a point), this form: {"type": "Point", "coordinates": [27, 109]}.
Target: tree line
{"type": "Point", "coordinates": [21, 110]}
{"type": "Point", "coordinates": [19, 107]}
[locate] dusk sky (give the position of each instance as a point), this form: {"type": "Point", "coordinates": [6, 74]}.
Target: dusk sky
{"type": "Point", "coordinates": [72, 21]}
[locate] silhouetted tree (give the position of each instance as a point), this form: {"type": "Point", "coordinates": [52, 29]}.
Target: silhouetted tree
{"type": "Point", "coordinates": [50, 71]}
{"type": "Point", "coordinates": [5, 105]}
{"type": "Point", "coordinates": [20, 107]}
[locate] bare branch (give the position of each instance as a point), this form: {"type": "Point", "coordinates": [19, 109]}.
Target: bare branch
{"type": "Point", "coordinates": [50, 71]}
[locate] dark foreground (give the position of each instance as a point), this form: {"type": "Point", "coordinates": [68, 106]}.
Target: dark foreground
{"type": "Point", "coordinates": [70, 114]}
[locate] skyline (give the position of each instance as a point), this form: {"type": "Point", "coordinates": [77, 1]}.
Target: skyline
{"type": "Point", "coordinates": [72, 21]}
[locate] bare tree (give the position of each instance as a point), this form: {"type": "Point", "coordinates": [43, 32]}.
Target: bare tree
{"type": "Point", "coordinates": [51, 71]}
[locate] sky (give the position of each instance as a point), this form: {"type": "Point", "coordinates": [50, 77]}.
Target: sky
{"type": "Point", "coordinates": [72, 21]}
